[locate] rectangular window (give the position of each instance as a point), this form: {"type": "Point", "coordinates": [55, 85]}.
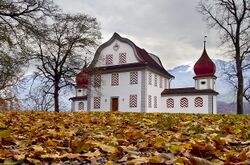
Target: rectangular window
{"type": "Point", "coordinates": [160, 82]}
{"type": "Point", "coordinates": [115, 79]}
{"type": "Point", "coordinates": [155, 101]}
{"type": "Point", "coordinates": [156, 78]}
{"type": "Point", "coordinates": [133, 101]}
{"type": "Point", "coordinates": [122, 58]}
{"type": "Point", "coordinates": [133, 77]}
{"type": "Point", "coordinates": [97, 102]}
{"type": "Point", "coordinates": [150, 78]}
{"type": "Point", "coordinates": [149, 101]}
{"type": "Point", "coordinates": [97, 80]}
{"type": "Point", "coordinates": [109, 59]}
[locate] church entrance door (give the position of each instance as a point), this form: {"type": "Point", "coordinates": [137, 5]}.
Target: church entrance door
{"type": "Point", "coordinates": [114, 104]}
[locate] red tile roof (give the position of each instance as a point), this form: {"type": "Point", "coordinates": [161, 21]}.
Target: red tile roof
{"type": "Point", "coordinates": [191, 90]}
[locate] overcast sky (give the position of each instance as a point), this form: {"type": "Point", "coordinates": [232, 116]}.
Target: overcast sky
{"type": "Point", "coordinates": [171, 29]}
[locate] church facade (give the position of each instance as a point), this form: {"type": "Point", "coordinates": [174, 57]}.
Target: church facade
{"type": "Point", "coordinates": [123, 77]}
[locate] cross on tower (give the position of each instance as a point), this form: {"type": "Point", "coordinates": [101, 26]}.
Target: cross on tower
{"type": "Point", "coordinates": [205, 42]}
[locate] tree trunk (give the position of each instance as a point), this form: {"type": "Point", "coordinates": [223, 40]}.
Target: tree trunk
{"type": "Point", "coordinates": [240, 93]}
{"type": "Point", "coordinates": [240, 85]}
{"type": "Point", "coordinates": [56, 96]}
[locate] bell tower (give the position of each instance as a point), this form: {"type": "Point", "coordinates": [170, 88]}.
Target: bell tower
{"type": "Point", "coordinates": [204, 70]}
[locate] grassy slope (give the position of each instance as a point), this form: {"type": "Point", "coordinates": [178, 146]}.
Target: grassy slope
{"type": "Point", "coordinates": [37, 137]}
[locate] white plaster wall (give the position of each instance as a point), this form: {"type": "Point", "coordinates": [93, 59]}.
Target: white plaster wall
{"type": "Point", "coordinates": [122, 91]}
{"type": "Point", "coordinates": [209, 83]}
{"type": "Point", "coordinates": [81, 91]}
{"type": "Point", "coordinates": [154, 91]}
{"type": "Point", "coordinates": [76, 106]}
{"type": "Point", "coordinates": [124, 48]}
{"type": "Point", "coordinates": [215, 104]}
{"type": "Point", "coordinates": [191, 107]}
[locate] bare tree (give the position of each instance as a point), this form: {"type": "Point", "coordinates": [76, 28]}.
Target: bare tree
{"type": "Point", "coordinates": [18, 18]}
{"type": "Point", "coordinates": [61, 49]}
{"type": "Point", "coordinates": [232, 19]}
{"type": "Point", "coordinates": [39, 99]}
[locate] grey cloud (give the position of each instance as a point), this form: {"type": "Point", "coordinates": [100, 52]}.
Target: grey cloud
{"type": "Point", "coordinates": [171, 29]}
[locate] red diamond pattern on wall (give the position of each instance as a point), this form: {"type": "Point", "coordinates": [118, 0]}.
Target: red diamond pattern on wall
{"type": "Point", "coordinates": [133, 77]}
{"type": "Point", "coordinates": [97, 102]}
{"type": "Point", "coordinates": [114, 79]}
{"type": "Point", "coordinates": [109, 59]}
{"type": "Point", "coordinates": [122, 58]}
{"type": "Point", "coordinates": [150, 78]}
{"type": "Point", "coordinates": [198, 102]}
{"type": "Point", "coordinates": [155, 101]}
{"type": "Point", "coordinates": [184, 102]}
{"type": "Point", "coordinates": [170, 103]}
{"type": "Point", "coordinates": [97, 80]}
{"type": "Point", "coordinates": [149, 101]}
{"type": "Point", "coordinates": [81, 106]}
{"type": "Point", "coordinates": [133, 101]}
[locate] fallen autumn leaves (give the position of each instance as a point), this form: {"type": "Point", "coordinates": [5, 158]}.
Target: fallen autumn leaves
{"type": "Point", "coordinates": [123, 138]}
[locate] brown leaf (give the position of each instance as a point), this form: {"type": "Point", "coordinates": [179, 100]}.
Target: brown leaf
{"type": "Point", "coordinates": [138, 161]}
{"type": "Point", "coordinates": [97, 153]}
{"type": "Point", "coordinates": [198, 161]}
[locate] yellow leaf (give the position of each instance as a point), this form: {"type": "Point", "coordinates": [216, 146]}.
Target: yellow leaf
{"type": "Point", "coordinates": [52, 156]}
{"type": "Point", "coordinates": [19, 157]}
{"type": "Point", "coordinates": [9, 162]}
{"type": "Point", "coordinates": [188, 146]}
{"type": "Point", "coordinates": [160, 142]}
{"type": "Point", "coordinates": [155, 159]}
{"type": "Point", "coordinates": [4, 133]}
{"type": "Point", "coordinates": [174, 148]}
{"type": "Point", "coordinates": [237, 130]}
{"type": "Point", "coordinates": [149, 121]}
{"type": "Point", "coordinates": [50, 143]}
{"type": "Point", "coordinates": [109, 163]}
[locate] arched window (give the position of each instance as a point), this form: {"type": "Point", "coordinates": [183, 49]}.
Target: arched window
{"type": "Point", "coordinates": [81, 106]}
{"type": "Point", "coordinates": [170, 103]}
{"type": "Point", "coordinates": [184, 102]}
{"type": "Point", "coordinates": [198, 102]}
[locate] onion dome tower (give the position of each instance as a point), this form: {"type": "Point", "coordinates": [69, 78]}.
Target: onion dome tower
{"type": "Point", "coordinates": [204, 70]}
{"type": "Point", "coordinates": [82, 80]}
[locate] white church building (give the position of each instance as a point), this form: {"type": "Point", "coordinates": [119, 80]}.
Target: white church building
{"type": "Point", "coordinates": [123, 77]}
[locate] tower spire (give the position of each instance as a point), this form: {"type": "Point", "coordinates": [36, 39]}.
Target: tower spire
{"type": "Point", "coordinates": [205, 42]}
